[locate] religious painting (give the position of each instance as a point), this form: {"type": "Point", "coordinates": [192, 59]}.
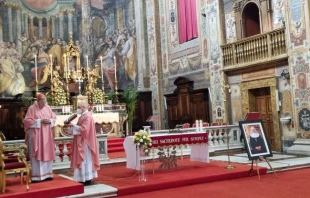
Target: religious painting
{"type": "Point", "coordinates": [255, 139]}
{"type": "Point", "coordinates": [33, 34]}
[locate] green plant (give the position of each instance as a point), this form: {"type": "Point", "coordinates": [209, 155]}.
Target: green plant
{"type": "Point", "coordinates": [129, 97]}
{"type": "Point", "coordinates": [111, 95]}
{"type": "Point", "coordinates": [27, 101]}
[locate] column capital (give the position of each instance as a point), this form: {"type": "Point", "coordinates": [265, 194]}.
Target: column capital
{"type": "Point", "coordinates": [61, 12]}
{"type": "Point", "coordinates": [71, 11]}
{"type": "Point", "coordinates": [17, 7]}
{"type": "Point", "coordinates": [26, 14]}
{"type": "Point", "coordinates": [53, 17]}
{"type": "Point", "coordinates": [9, 5]}
{"type": "Point", "coordinates": [40, 18]}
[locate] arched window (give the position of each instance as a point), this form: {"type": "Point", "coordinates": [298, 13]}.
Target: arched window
{"type": "Point", "coordinates": [251, 21]}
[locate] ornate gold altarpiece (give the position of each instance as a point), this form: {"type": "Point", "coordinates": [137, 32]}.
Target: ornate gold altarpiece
{"type": "Point", "coordinates": [110, 117]}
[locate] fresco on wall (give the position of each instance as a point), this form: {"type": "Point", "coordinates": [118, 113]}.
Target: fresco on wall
{"type": "Point", "coordinates": [230, 27]}
{"type": "Point", "coordinates": [33, 28]}
{"type": "Point", "coordinates": [297, 23]}
{"type": "Point", "coordinates": [278, 13]}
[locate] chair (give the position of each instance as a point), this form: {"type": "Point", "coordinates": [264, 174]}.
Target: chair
{"type": "Point", "coordinates": [12, 159]}
{"type": "Point", "coordinates": [205, 124]}
{"type": "Point", "coordinates": [186, 125]}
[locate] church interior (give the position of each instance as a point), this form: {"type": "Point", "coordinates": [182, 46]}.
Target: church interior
{"type": "Point", "coordinates": [200, 77]}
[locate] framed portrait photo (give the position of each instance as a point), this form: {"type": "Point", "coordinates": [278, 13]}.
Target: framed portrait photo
{"type": "Point", "coordinates": [255, 139]}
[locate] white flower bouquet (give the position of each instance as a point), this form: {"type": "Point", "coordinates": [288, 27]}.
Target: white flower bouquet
{"type": "Point", "coordinates": [143, 141]}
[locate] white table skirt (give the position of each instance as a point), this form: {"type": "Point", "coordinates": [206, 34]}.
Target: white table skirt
{"type": "Point", "coordinates": [199, 152]}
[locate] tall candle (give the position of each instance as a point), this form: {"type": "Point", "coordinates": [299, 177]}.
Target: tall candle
{"type": "Point", "coordinates": [36, 67]}
{"type": "Point", "coordinates": [51, 58]}
{"type": "Point", "coordinates": [115, 67]}
{"type": "Point", "coordinates": [87, 67]}
{"type": "Point", "coordinates": [68, 65]}
{"type": "Point", "coordinates": [101, 68]}
{"type": "Point", "coordinates": [65, 67]}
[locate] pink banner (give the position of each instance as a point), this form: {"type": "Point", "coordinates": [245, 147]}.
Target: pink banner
{"type": "Point", "coordinates": [179, 139]}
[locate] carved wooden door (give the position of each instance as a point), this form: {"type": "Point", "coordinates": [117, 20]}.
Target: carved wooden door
{"type": "Point", "coordinates": [263, 105]}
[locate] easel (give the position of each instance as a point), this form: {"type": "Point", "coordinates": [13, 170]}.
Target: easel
{"type": "Point", "coordinates": [257, 167]}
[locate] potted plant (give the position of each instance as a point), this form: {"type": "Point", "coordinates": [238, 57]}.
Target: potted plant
{"type": "Point", "coordinates": [111, 97]}
{"type": "Point", "coordinates": [129, 97]}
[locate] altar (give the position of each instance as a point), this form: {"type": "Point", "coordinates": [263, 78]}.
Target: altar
{"type": "Point", "coordinates": [100, 119]}
{"type": "Point", "coordinates": [197, 141]}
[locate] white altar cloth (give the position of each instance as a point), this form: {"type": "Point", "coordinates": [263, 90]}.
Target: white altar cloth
{"type": "Point", "coordinates": [99, 118]}
{"type": "Point", "coordinates": [199, 152]}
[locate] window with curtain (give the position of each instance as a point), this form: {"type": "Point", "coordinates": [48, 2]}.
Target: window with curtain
{"type": "Point", "coordinates": [187, 20]}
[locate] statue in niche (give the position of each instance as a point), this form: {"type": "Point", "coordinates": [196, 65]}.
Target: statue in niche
{"type": "Point", "coordinates": [91, 82]}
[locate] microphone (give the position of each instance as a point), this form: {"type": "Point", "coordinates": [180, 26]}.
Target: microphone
{"type": "Point", "coordinates": [68, 120]}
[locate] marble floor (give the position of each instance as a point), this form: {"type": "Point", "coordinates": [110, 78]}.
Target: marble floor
{"type": "Point", "coordinates": [279, 162]}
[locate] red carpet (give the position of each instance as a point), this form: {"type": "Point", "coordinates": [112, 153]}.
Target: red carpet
{"type": "Point", "coordinates": [114, 155]}
{"type": "Point", "coordinates": [115, 145]}
{"type": "Point", "coordinates": [48, 189]}
{"type": "Point", "coordinates": [289, 184]}
{"type": "Point", "coordinates": [187, 173]}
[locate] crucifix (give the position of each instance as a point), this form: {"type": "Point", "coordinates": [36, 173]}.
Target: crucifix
{"type": "Point", "coordinates": [79, 81]}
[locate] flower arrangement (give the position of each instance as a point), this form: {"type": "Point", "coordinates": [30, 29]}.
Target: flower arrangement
{"type": "Point", "coordinates": [143, 140]}
{"type": "Point", "coordinates": [98, 96]}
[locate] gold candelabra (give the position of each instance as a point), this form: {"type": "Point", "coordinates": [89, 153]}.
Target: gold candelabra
{"type": "Point", "coordinates": [116, 92]}
{"type": "Point", "coordinates": [36, 88]}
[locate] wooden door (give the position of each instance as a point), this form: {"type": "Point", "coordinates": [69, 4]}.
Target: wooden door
{"type": "Point", "coordinates": [263, 105]}
{"type": "Point", "coordinates": [143, 111]}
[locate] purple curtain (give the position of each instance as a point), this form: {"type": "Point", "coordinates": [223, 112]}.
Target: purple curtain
{"type": "Point", "coordinates": [187, 20]}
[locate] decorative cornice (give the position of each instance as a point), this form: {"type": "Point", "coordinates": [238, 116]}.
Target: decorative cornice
{"type": "Point", "coordinates": [239, 4]}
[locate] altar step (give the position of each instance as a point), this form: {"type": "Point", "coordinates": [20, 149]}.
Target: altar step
{"type": "Point", "coordinates": [115, 145]}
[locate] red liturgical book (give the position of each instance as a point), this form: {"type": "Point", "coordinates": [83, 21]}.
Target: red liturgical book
{"type": "Point", "coordinates": [252, 116]}
{"type": "Point", "coordinates": [68, 120]}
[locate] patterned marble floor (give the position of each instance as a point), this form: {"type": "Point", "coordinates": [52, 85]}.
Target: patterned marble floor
{"type": "Point", "coordinates": [279, 162]}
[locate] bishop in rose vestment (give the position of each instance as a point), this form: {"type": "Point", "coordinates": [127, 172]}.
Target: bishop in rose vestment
{"type": "Point", "coordinates": [38, 125]}
{"type": "Point", "coordinates": [85, 153]}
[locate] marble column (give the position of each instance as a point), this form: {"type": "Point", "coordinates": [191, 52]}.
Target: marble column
{"type": "Point", "coordinates": [10, 23]}
{"type": "Point", "coordinates": [70, 27]}
{"type": "Point", "coordinates": [61, 24]}
{"type": "Point", "coordinates": [140, 41]}
{"type": "Point", "coordinates": [53, 27]}
{"type": "Point", "coordinates": [40, 27]}
{"type": "Point", "coordinates": [31, 31]}
{"type": "Point", "coordinates": [26, 25]}
{"type": "Point", "coordinates": [19, 30]}
{"type": "Point", "coordinates": [48, 28]}
{"type": "Point", "coordinates": [153, 21]}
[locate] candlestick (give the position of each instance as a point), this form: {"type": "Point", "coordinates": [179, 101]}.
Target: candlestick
{"type": "Point", "coordinates": [68, 66]}
{"type": "Point", "coordinates": [87, 67]}
{"type": "Point", "coordinates": [102, 75]}
{"type": "Point", "coordinates": [65, 67]}
{"type": "Point", "coordinates": [101, 68]}
{"type": "Point", "coordinates": [115, 67]}
{"type": "Point", "coordinates": [51, 58]}
{"type": "Point", "coordinates": [36, 68]}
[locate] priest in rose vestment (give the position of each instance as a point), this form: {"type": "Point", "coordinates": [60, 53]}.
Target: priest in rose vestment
{"type": "Point", "coordinates": [85, 153]}
{"type": "Point", "coordinates": [38, 124]}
